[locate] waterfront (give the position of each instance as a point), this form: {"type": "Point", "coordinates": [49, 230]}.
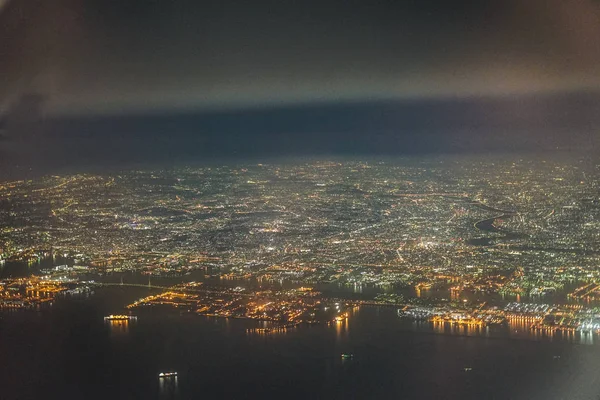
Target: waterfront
{"type": "Point", "coordinates": [436, 279]}
{"type": "Point", "coordinates": [71, 350]}
{"type": "Point", "coordinates": [214, 200]}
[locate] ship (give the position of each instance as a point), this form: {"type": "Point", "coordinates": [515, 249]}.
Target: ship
{"type": "Point", "coordinates": [170, 374]}
{"type": "Point", "coordinates": [347, 356]}
{"type": "Point", "coordinates": [119, 317]}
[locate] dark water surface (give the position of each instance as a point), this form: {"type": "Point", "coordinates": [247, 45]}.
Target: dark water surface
{"type": "Point", "coordinates": [69, 352]}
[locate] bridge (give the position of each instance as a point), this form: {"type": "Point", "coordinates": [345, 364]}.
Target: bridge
{"type": "Point", "coordinates": [147, 286]}
{"type": "Point", "coordinates": [368, 303]}
{"type": "Point", "coordinates": [171, 288]}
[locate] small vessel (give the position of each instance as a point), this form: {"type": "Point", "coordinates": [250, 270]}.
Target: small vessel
{"type": "Point", "coordinates": [347, 356]}
{"type": "Point", "coordinates": [467, 369]}
{"type": "Point", "coordinates": [119, 317]}
{"type": "Point", "coordinates": [169, 374]}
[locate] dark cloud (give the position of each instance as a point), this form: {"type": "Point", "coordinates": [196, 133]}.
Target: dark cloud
{"type": "Point", "coordinates": [532, 124]}
{"type": "Point", "coordinates": [119, 56]}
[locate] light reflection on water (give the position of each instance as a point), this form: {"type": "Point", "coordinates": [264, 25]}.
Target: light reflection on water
{"type": "Point", "coordinates": [118, 327]}
{"type": "Point", "coordinates": [341, 329]}
{"type": "Point", "coordinates": [515, 328]}
{"type": "Point", "coordinates": [464, 329]}
{"type": "Point", "coordinates": [391, 357]}
{"type": "Point", "coordinates": [168, 387]}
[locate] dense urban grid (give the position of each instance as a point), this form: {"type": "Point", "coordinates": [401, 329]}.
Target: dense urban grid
{"type": "Point", "coordinates": [457, 242]}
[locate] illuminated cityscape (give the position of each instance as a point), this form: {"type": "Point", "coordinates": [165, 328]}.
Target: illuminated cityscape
{"type": "Point", "coordinates": [294, 200]}
{"type": "Point", "coordinates": [456, 242]}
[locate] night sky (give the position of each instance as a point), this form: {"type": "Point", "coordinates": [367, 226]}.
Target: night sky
{"type": "Point", "coordinates": [247, 78]}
